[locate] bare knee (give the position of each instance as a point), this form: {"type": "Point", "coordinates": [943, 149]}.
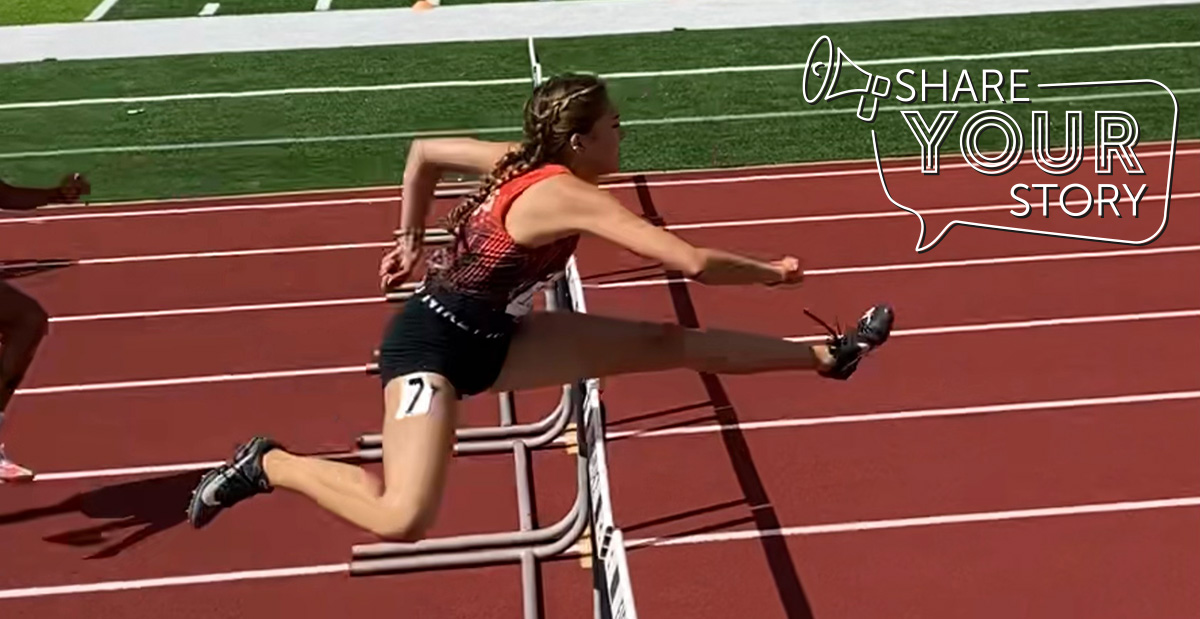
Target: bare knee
{"type": "Point", "coordinates": [401, 521]}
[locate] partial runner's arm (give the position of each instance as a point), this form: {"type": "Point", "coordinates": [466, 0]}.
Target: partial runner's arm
{"type": "Point", "coordinates": [29, 198]}
{"type": "Point", "coordinates": [580, 207]}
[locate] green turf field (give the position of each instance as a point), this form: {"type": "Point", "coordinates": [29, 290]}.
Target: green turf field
{"type": "Point", "coordinates": [295, 140]}
{"type": "Point", "coordinates": [25, 12]}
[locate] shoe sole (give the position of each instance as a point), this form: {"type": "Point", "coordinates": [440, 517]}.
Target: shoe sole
{"type": "Point", "coordinates": [196, 506]}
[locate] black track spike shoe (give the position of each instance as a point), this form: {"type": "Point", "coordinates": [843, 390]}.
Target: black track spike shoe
{"type": "Point", "coordinates": [871, 332]}
{"type": "Point", "coordinates": [231, 483]}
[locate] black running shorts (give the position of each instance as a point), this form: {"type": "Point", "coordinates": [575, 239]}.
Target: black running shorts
{"type": "Point", "coordinates": [447, 335]}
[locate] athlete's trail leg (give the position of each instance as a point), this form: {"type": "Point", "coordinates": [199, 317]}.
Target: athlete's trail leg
{"type": "Point", "coordinates": [418, 438]}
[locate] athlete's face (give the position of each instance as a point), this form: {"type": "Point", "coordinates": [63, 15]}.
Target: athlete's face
{"type": "Point", "coordinates": [600, 149]}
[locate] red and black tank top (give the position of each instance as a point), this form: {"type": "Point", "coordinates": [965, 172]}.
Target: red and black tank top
{"type": "Point", "coordinates": [487, 265]}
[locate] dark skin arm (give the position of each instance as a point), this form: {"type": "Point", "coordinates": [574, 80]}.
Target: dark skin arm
{"type": "Point", "coordinates": [28, 198]}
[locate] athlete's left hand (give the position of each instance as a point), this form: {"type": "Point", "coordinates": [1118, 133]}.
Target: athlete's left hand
{"type": "Point", "coordinates": [791, 271]}
{"type": "Point", "coordinates": [71, 188]}
{"type": "Point", "coordinates": [399, 263]}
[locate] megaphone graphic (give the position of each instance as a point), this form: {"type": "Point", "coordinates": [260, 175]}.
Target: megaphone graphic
{"type": "Point", "coordinates": [877, 86]}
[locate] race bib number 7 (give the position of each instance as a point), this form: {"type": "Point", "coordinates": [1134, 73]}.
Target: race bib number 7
{"type": "Point", "coordinates": [416, 397]}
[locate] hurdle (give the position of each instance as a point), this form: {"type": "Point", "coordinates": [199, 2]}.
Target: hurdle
{"type": "Point", "coordinates": [591, 512]}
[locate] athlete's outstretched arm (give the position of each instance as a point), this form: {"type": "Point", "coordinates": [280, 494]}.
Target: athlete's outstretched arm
{"type": "Point", "coordinates": [587, 209]}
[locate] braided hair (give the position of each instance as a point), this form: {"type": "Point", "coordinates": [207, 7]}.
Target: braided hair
{"type": "Point", "coordinates": [560, 107]}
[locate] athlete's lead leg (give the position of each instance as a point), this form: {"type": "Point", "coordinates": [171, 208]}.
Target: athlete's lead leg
{"type": "Point", "coordinates": [551, 348]}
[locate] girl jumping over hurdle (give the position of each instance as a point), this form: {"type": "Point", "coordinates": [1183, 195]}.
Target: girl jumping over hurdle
{"type": "Point", "coordinates": [461, 333]}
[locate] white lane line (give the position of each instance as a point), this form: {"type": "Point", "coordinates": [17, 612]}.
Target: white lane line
{"type": "Point", "coordinates": [1035, 258]}
{"type": "Point", "coordinates": [174, 581]}
{"type": "Point", "coordinates": [922, 521]}
{"type": "Point", "coordinates": [1030, 324]}
{"type": "Point", "coordinates": [193, 380]}
{"type": "Point", "coordinates": [193, 210]}
{"type": "Point", "coordinates": [323, 5]}
{"type": "Point", "coordinates": [958, 411]}
{"type": "Point", "coordinates": [233, 253]}
{"type": "Point", "coordinates": [864, 168]}
{"type": "Point", "coordinates": [800, 219]}
{"type": "Point", "coordinates": [916, 266]}
{"type": "Point", "coordinates": [210, 9]}
{"type": "Point", "coordinates": [194, 311]}
{"type": "Point", "coordinates": [272, 251]}
{"type": "Point", "coordinates": [129, 471]}
{"type": "Point", "coordinates": [705, 538]}
{"type": "Point", "coordinates": [275, 374]}
{"type": "Point", "coordinates": [928, 413]}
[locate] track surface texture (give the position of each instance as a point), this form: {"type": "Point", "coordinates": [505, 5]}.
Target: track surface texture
{"type": "Point", "coordinates": [1023, 446]}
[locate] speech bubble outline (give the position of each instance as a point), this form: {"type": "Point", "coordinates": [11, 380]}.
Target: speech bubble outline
{"type": "Point", "coordinates": [957, 222]}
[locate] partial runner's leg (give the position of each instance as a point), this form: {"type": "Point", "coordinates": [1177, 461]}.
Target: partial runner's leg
{"type": "Point", "coordinates": [23, 325]}
{"type": "Point", "coordinates": [552, 348]}
{"type": "Point", "coordinates": [418, 437]}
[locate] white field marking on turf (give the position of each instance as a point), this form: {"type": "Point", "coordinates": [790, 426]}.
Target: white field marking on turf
{"type": "Point", "coordinates": [271, 251]}
{"type": "Point", "coordinates": [719, 118]}
{"type": "Point", "coordinates": [834, 271]}
{"type": "Point", "coordinates": [309, 90]}
{"type": "Point", "coordinates": [101, 10]}
{"type": "Point", "coordinates": [274, 374]}
{"type": "Point", "coordinates": [323, 5]}
{"type": "Point", "coordinates": [611, 76]}
{"type": "Point", "coordinates": [194, 380]}
{"type": "Point", "coordinates": [916, 266]}
{"type": "Point", "coordinates": [718, 180]}
{"type": "Point", "coordinates": [256, 142]}
{"type": "Point", "coordinates": [929, 413]}
{"type": "Point", "coordinates": [921, 521]}
{"type": "Point", "coordinates": [704, 538]}
{"type": "Point", "coordinates": [210, 9]}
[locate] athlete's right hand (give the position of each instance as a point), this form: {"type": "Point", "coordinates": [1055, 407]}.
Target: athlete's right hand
{"type": "Point", "coordinates": [399, 263]}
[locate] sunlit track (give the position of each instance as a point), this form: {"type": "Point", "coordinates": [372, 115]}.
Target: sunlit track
{"type": "Point", "coordinates": [124, 465]}
{"type": "Point", "coordinates": [713, 225]}
{"type": "Point", "coordinates": [1036, 513]}
{"type": "Point", "coordinates": [918, 266]}
{"type": "Point", "coordinates": [909, 266]}
{"type": "Point", "coordinates": [741, 175]}
{"type": "Point", "coordinates": [194, 380]}
{"type": "Point", "coordinates": [1082, 403]}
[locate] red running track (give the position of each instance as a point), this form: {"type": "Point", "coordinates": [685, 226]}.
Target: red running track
{"type": "Point", "coordinates": [1024, 446]}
